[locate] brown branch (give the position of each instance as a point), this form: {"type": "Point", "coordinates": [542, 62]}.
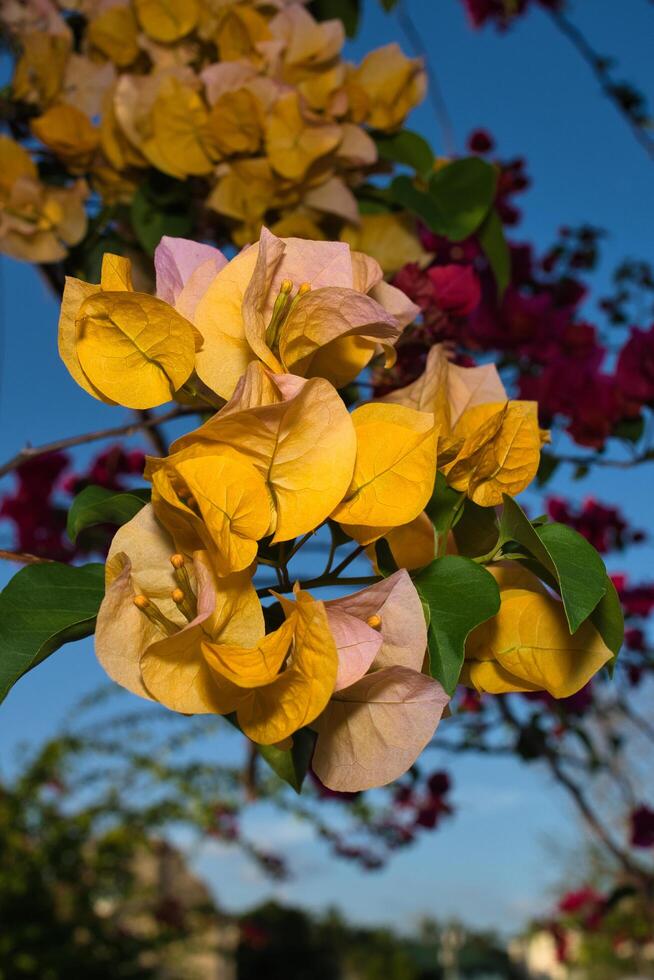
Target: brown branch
{"type": "Point", "coordinates": [154, 433]}
{"type": "Point", "coordinates": [645, 457]}
{"type": "Point", "coordinates": [23, 558]}
{"type": "Point", "coordinates": [579, 798]}
{"type": "Point", "coordinates": [31, 452]}
{"type": "Point", "coordinates": [598, 66]}
{"type": "Point", "coordinates": [435, 92]}
{"type": "Point", "coordinates": [591, 818]}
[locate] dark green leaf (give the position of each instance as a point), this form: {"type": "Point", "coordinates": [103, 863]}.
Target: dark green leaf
{"type": "Point", "coordinates": [43, 607]}
{"type": "Point", "coordinates": [97, 505]}
{"type": "Point", "coordinates": [291, 764]}
{"type": "Point", "coordinates": [457, 200]}
{"type": "Point", "coordinates": [408, 148]}
{"type": "Point", "coordinates": [460, 595]}
{"type": "Point", "coordinates": [154, 216]}
{"type": "Point", "coordinates": [463, 193]}
{"type": "Point", "coordinates": [384, 556]}
{"type": "Point", "coordinates": [574, 564]}
{"type": "Point", "coordinates": [389, 5]}
{"type": "Point", "coordinates": [443, 506]}
{"type": "Point", "coordinates": [348, 11]}
{"type": "Point", "coordinates": [631, 430]}
{"type": "Point", "coordinates": [404, 192]}
{"type": "Point", "coordinates": [476, 532]}
{"type": "Point", "coordinates": [492, 240]}
{"type": "Point", "coordinates": [608, 620]}
{"type": "Point", "coordinates": [547, 468]}
{"type": "Point", "coordinates": [368, 206]}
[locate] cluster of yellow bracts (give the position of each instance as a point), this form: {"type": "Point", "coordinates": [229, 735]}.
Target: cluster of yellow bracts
{"type": "Point", "coordinates": [252, 96]}
{"type": "Point", "coordinates": [267, 339]}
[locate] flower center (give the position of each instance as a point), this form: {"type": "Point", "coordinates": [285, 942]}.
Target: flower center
{"type": "Point", "coordinates": [183, 596]}
{"type": "Point", "coordinates": [281, 309]}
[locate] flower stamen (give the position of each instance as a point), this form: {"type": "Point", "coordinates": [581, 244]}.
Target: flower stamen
{"type": "Point", "coordinates": [155, 615]}
{"type": "Point", "coordinates": [190, 606]}
{"type": "Point", "coordinates": [183, 604]}
{"type": "Point", "coordinates": [278, 312]}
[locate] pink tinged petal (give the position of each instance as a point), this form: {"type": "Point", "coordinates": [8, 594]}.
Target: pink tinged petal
{"type": "Point", "coordinates": [205, 589]}
{"type": "Point", "coordinates": [318, 263]}
{"type": "Point", "coordinates": [176, 259]}
{"type": "Point", "coordinates": [227, 76]}
{"type": "Point", "coordinates": [259, 386]}
{"type": "Point", "coordinates": [326, 314]}
{"type": "Point", "coordinates": [372, 732]}
{"type": "Point", "coordinates": [195, 288]}
{"type": "Point", "coordinates": [403, 628]}
{"type": "Point", "coordinates": [258, 298]}
{"type": "Point", "coordinates": [367, 273]}
{"type": "Point", "coordinates": [395, 302]}
{"type": "Point", "coordinates": [468, 387]}
{"type": "Point", "coordinates": [357, 644]}
{"type": "Point", "coordinates": [334, 197]}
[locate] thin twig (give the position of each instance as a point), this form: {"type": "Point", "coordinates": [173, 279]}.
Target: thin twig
{"type": "Point", "coordinates": [644, 457]}
{"type": "Point", "coordinates": [31, 452]}
{"type": "Point", "coordinates": [597, 65]}
{"type": "Point", "coordinates": [348, 560]}
{"type": "Point", "coordinates": [577, 794]}
{"type": "Point", "coordinates": [23, 558]}
{"type": "Point", "coordinates": [153, 432]}
{"type": "Point", "coordinates": [299, 544]}
{"type": "Point", "coordinates": [435, 92]}
{"type": "Point", "coordinates": [323, 582]}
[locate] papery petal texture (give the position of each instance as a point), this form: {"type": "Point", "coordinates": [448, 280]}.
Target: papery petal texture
{"type": "Point", "coordinates": [395, 466]}
{"type": "Point", "coordinates": [372, 732]}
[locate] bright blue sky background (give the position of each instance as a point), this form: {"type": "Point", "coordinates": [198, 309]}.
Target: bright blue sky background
{"type": "Point", "coordinates": [492, 864]}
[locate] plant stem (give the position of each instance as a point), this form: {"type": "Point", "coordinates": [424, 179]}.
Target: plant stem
{"type": "Point", "coordinates": [31, 452]}
{"type": "Point", "coordinates": [326, 581]}
{"type": "Point", "coordinates": [23, 558]}
{"type": "Point", "coordinates": [348, 559]}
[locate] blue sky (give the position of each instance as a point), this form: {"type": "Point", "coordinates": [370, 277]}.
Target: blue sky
{"type": "Point", "coordinates": [492, 864]}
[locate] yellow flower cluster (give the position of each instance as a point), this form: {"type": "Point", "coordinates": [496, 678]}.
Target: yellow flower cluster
{"type": "Point", "coordinates": [267, 338]}
{"type": "Point", "coordinates": [252, 98]}
{"type": "Point", "coordinates": [37, 222]}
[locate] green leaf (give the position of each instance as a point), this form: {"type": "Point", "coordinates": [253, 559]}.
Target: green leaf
{"type": "Point", "coordinates": [389, 5]}
{"type": "Point", "coordinates": [458, 198]}
{"type": "Point", "coordinates": [368, 206]}
{"type": "Point", "coordinates": [608, 620]}
{"type": "Point", "coordinates": [476, 532]}
{"type": "Point", "coordinates": [384, 557]}
{"type": "Point", "coordinates": [444, 506]}
{"type": "Point", "coordinates": [43, 607]}
{"type": "Point", "coordinates": [546, 468]}
{"type": "Point", "coordinates": [463, 192]}
{"type": "Point", "coordinates": [154, 215]}
{"type": "Point", "coordinates": [97, 505]}
{"type": "Point", "coordinates": [404, 192]}
{"type": "Point", "coordinates": [631, 430]}
{"type": "Point", "coordinates": [495, 248]}
{"type": "Point", "coordinates": [407, 147]}
{"type": "Point", "coordinates": [291, 764]}
{"type": "Point", "coordinates": [568, 557]}
{"type": "Point", "coordinates": [460, 595]}
{"type": "Point", "coordinates": [347, 11]}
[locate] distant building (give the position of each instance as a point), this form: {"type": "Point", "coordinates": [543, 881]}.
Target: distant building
{"type": "Point", "coordinates": [167, 892]}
